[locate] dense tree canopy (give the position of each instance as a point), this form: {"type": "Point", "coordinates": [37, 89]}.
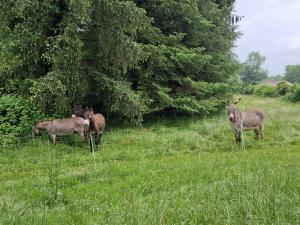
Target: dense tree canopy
{"type": "Point", "coordinates": [251, 70]}
{"type": "Point", "coordinates": [125, 58]}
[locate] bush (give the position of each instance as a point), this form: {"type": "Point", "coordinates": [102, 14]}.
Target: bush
{"type": "Point", "coordinates": [247, 89]}
{"type": "Point", "coordinates": [266, 91]}
{"type": "Point", "coordinates": [294, 94]}
{"type": "Point", "coordinates": [283, 87]}
{"type": "Point", "coordinates": [17, 115]}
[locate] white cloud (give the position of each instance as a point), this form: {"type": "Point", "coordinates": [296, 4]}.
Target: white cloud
{"type": "Point", "coordinates": [290, 41]}
{"type": "Point", "coordinates": [294, 42]}
{"type": "Point", "coordinates": [271, 27]}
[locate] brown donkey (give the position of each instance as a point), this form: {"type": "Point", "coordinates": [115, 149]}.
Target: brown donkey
{"type": "Point", "coordinates": [242, 121]}
{"type": "Point", "coordinates": [97, 121]}
{"type": "Point", "coordinates": [62, 127]}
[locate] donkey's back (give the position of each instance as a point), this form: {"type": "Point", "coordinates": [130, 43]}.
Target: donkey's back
{"type": "Point", "coordinates": [68, 125]}
{"type": "Point", "coordinates": [98, 122]}
{"type": "Point", "coordinates": [253, 119]}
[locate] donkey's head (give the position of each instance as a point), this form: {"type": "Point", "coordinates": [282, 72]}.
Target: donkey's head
{"type": "Point", "coordinates": [232, 110]}
{"type": "Point", "coordinates": [78, 110]}
{"type": "Point", "coordinates": [89, 113]}
{"type": "Point", "coordinates": [35, 130]}
{"type": "Point", "coordinates": [40, 126]}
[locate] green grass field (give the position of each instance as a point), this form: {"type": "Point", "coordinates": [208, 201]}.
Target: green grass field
{"type": "Point", "coordinates": [171, 171]}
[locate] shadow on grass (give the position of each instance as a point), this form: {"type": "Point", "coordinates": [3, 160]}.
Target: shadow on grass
{"type": "Point", "coordinates": [166, 119]}
{"type": "Point", "coordinates": [176, 119]}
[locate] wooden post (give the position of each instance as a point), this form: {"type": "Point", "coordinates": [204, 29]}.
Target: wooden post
{"type": "Point", "coordinates": [92, 147]}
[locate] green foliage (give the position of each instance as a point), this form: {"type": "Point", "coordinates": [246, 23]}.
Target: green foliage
{"type": "Point", "coordinates": [266, 91]}
{"type": "Point", "coordinates": [49, 93]}
{"type": "Point", "coordinates": [17, 87]}
{"type": "Point", "coordinates": [17, 116]}
{"type": "Point", "coordinates": [205, 97]}
{"type": "Point", "coordinates": [124, 58]}
{"type": "Point", "coordinates": [184, 63]}
{"type": "Point", "coordinates": [283, 87]}
{"type": "Point", "coordinates": [119, 100]}
{"type": "Point", "coordinates": [294, 94]}
{"type": "Point", "coordinates": [247, 89]}
{"type": "Point", "coordinates": [251, 70]}
{"type": "Point", "coordinates": [292, 73]}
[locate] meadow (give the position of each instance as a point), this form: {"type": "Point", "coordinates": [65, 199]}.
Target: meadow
{"type": "Point", "coordinates": [174, 170]}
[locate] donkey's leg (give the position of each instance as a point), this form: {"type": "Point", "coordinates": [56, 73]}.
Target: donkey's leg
{"type": "Point", "coordinates": [256, 131]}
{"type": "Point", "coordinates": [261, 128]}
{"type": "Point", "coordinates": [237, 137]}
{"type": "Point", "coordinates": [83, 134]}
{"type": "Point", "coordinates": [240, 139]}
{"type": "Point", "coordinates": [53, 136]}
{"type": "Point", "coordinates": [100, 135]}
{"type": "Point", "coordinates": [86, 132]}
{"type": "Point", "coordinates": [97, 140]}
{"type": "Point", "coordinates": [85, 137]}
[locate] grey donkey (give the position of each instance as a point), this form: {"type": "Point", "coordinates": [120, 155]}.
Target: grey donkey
{"type": "Point", "coordinates": [242, 121]}
{"type": "Point", "coordinates": [62, 127]}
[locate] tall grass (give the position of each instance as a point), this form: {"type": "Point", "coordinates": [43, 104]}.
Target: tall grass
{"type": "Point", "coordinates": [171, 171]}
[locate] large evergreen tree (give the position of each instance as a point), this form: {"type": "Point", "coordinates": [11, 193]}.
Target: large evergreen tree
{"type": "Point", "coordinates": [125, 58]}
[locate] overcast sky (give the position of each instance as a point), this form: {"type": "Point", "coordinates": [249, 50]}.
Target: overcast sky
{"type": "Point", "coordinates": [271, 27]}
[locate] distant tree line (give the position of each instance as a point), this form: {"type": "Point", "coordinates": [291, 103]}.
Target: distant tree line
{"type": "Point", "coordinates": [251, 71]}
{"type": "Point", "coordinates": [292, 73]}
{"type": "Point", "coordinates": [255, 80]}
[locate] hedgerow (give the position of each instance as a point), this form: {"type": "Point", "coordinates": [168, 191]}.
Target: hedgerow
{"type": "Point", "coordinates": [17, 115]}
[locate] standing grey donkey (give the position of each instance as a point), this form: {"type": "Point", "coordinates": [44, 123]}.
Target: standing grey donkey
{"type": "Point", "coordinates": [62, 127]}
{"type": "Point", "coordinates": [241, 121]}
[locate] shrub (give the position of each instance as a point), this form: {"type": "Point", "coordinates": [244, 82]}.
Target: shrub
{"type": "Point", "coordinates": [17, 115]}
{"type": "Point", "coordinates": [294, 94]}
{"type": "Point", "coordinates": [283, 87]}
{"type": "Point", "coordinates": [266, 91]}
{"type": "Point", "coordinates": [247, 89]}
